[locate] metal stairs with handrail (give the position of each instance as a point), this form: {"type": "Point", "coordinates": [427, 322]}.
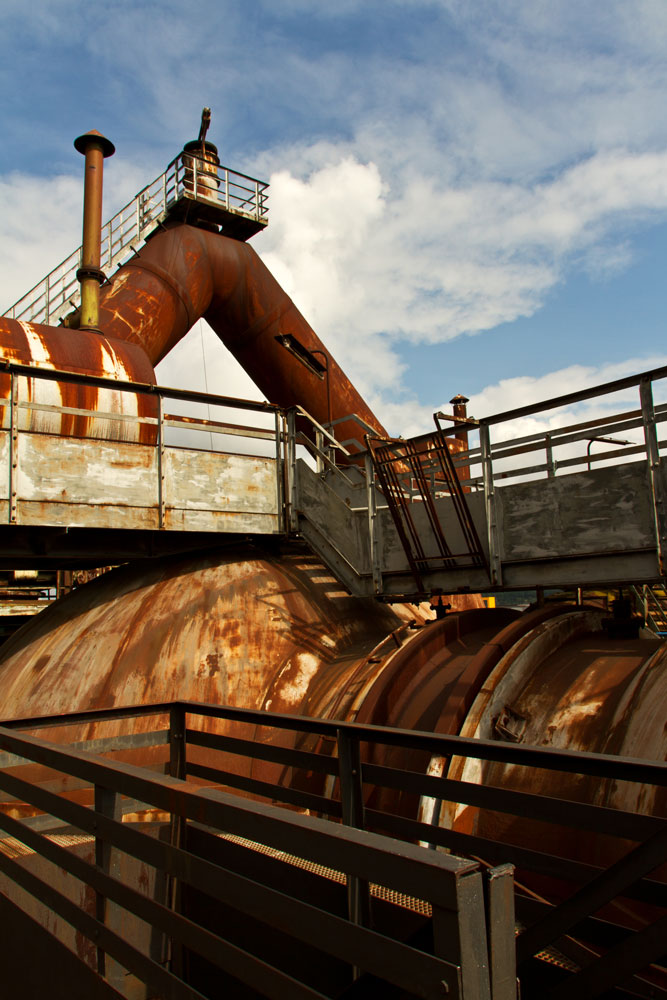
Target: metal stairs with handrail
{"type": "Point", "coordinates": [185, 190]}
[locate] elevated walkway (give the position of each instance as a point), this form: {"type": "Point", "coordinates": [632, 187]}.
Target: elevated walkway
{"type": "Point", "coordinates": [545, 509]}
{"type": "Point", "coordinates": [399, 519]}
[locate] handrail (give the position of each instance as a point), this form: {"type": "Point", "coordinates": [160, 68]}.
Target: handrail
{"type": "Point", "coordinates": [126, 231]}
{"type": "Point", "coordinates": [629, 878]}
{"type": "Point", "coordinates": [139, 388]}
{"type": "Point", "coordinates": [437, 878]}
{"type": "Point", "coordinates": [637, 769]}
{"type": "Point", "coordinates": [567, 399]}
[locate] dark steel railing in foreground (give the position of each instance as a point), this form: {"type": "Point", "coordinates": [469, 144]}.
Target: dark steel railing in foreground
{"type": "Point", "coordinates": [456, 965]}
{"type": "Point", "coordinates": [608, 933]}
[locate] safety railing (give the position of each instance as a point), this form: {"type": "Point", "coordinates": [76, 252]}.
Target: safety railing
{"type": "Point", "coordinates": [357, 927]}
{"type": "Point", "coordinates": [187, 176]}
{"type": "Point", "coordinates": [163, 454]}
{"type": "Point", "coordinates": [605, 925]}
{"type": "Point", "coordinates": [569, 449]}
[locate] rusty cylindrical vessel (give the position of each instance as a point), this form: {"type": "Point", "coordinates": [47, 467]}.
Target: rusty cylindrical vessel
{"type": "Point", "coordinates": [83, 353]}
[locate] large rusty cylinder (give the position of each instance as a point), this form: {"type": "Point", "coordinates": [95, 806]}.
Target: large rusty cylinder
{"type": "Point", "coordinates": [185, 273]}
{"type": "Point", "coordinates": [250, 629]}
{"type": "Point", "coordinates": [83, 353]}
{"type": "Point", "coordinates": [239, 626]}
{"type": "Point", "coordinates": [95, 148]}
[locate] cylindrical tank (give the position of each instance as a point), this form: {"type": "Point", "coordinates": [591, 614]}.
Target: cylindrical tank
{"type": "Point", "coordinates": [83, 353]}
{"type": "Point", "coordinates": [201, 158]}
{"type": "Point", "coordinates": [256, 630]}
{"type": "Point", "coordinates": [239, 627]}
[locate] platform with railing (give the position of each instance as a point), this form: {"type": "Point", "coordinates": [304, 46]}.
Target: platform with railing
{"type": "Point", "coordinates": [189, 189]}
{"type": "Point", "coordinates": [489, 516]}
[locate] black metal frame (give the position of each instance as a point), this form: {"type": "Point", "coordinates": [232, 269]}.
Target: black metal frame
{"type": "Point", "coordinates": [612, 952]}
{"type": "Point", "coordinates": [452, 886]}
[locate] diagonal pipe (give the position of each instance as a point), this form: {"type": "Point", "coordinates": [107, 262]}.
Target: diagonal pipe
{"type": "Point", "coordinates": [185, 273]}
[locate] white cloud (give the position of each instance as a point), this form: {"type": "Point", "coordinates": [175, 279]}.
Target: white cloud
{"type": "Point", "coordinates": [41, 221]}
{"type": "Point", "coordinates": [374, 260]}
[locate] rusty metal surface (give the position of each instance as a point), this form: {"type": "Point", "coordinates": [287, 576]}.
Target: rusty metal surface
{"type": "Point", "coordinates": [81, 352]}
{"type": "Point", "coordinates": [238, 627]}
{"type": "Point", "coordinates": [185, 273]}
{"type": "Point", "coordinates": [565, 684]}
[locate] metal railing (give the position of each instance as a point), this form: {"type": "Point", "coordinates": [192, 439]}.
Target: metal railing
{"type": "Point", "coordinates": [152, 430]}
{"type": "Point", "coordinates": [500, 462]}
{"type": "Point", "coordinates": [335, 769]}
{"type": "Point", "coordinates": [365, 869]}
{"type": "Point", "coordinates": [58, 293]}
{"type": "Point", "coordinates": [507, 452]}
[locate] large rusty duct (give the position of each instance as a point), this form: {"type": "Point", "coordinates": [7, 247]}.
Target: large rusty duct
{"type": "Point", "coordinates": [273, 631]}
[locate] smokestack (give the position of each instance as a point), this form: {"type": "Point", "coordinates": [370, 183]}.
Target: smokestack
{"type": "Point", "coordinates": [95, 148]}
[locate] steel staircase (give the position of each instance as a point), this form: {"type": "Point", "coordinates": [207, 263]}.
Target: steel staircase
{"type": "Point", "coordinates": [219, 195]}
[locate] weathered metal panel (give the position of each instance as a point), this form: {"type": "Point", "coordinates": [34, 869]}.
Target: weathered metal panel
{"type": "Point", "coordinates": [601, 510]}
{"type": "Point", "coordinates": [201, 480]}
{"type": "Point", "coordinates": [70, 481]}
{"type": "Point", "coordinates": [69, 470]}
{"type": "Point", "coordinates": [4, 464]}
{"type": "Point", "coordinates": [82, 515]}
{"type": "Point", "coordinates": [233, 522]}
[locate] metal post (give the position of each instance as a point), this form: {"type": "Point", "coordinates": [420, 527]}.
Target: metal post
{"type": "Point", "coordinates": [653, 471]}
{"type": "Point", "coordinates": [108, 804]}
{"type": "Point", "coordinates": [373, 539]}
{"type": "Point", "coordinates": [459, 936]}
{"type": "Point", "coordinates": [226, 188]}
{"type": "Point", "coordinates": [495, 566]}
{"type": "Point", "coordinates": [352, 804]}
{"type": "Point", "coordinates": [551, 465]}
{"type": "Point", "coordinates": [160, 465]}
{"type": "Point", "coordinates": [177, 826]}
{"type": "Point", "coordinates": [319, 461]}
{"type": "Point", "coordinates": [14, 447]}
{"type": "Point", "coordinates": [292, 520]}
{"type": "Point", "coordinates": [500, 929]}
{"type": "Point", "coordinates": [280, 506]}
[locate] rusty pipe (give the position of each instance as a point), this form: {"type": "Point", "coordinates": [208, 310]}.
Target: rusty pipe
{"type": "Point", "coordinates": [183, 274]}
{"type": "Point", "coordinates": [95, 147]}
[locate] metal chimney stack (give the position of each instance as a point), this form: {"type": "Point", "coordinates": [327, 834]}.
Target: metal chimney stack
{"type": "Point", "coordinates": [95, 147]}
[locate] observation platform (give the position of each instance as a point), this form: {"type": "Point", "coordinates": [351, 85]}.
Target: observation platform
{"type": "Point", "coordinates": [401, 519]}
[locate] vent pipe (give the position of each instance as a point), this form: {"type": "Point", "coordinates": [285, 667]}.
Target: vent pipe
{"type": "Point", "coordinates": [95, 148]}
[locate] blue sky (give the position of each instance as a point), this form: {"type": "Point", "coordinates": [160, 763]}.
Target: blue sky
{"type": "Point", "coordinates": [466, 195]}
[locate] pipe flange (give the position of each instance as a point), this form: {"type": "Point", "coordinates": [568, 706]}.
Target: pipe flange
{"type": "Point", "coordinates": [91, 272]}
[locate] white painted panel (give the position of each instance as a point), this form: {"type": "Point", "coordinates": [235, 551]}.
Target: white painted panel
{"type": "Point", "coordinates": [71, 470]}
{"type": "Point", "coordinates": [201, 480]}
